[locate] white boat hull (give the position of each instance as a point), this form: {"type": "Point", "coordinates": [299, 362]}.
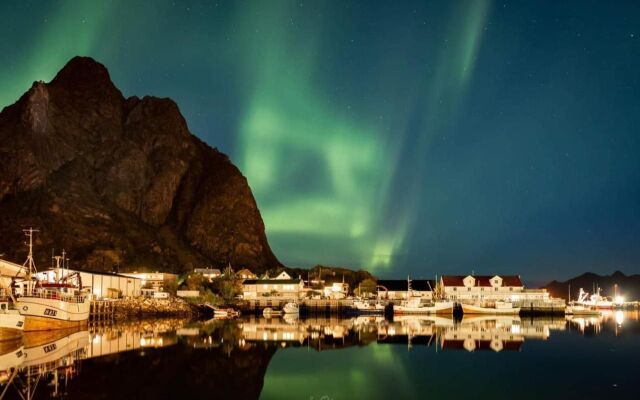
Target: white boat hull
{"type": "Point", "coordinates": [473, 309]}
{"type": "Point", "coordinates": [11, 325]}
{"type": "Point", "coordinates": [291, 308]}
{"type": "Point", "coordinates": [269, 313]}
{"type": "Point", "coordinates": [445, 307]}
{"type": "Point", "coordinates": [581, 311]}
{"type": "Point", "coordinates": [368, 308]}
{"type": "Point", "coordinates": [46, 314]}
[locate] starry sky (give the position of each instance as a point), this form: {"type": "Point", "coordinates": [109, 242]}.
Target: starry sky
{"type": "Point", "coordinates": [402, 137]}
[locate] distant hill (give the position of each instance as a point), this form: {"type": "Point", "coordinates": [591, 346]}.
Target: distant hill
{"type": "Point", "coordinates": [628, 285]}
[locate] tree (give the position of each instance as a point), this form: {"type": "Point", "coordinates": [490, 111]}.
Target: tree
{"type": "Point", "coordinates": [195, 281]}
{"type": "Point", "coordinates": [367, 286]}
{"type": "Point", "coordinates": [228, 286]}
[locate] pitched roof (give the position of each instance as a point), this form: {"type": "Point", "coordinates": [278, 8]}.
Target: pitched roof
{"type": "Point", "coordinates": [270, 281]}
{"type": "Point", "coordinates": [481, 280]}
{"type": "Point", "coordinates": [453, 280]}
{"type": "Point", "coordinates": [245, 271]}
{"type": "Point", "coordinates": [400, 285]}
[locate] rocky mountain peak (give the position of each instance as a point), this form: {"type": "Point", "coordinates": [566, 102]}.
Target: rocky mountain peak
{"type": "Point", "coordinates": [120, 181]}
{"type": "Point", "coordinates": [83, 71]}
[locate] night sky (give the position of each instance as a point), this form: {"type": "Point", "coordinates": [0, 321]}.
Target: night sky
{"type": "Point", "coordinates": [413, 138]}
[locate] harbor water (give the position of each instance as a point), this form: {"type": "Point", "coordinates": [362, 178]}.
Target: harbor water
{"type": "Point", "coordinates": [330, 358]}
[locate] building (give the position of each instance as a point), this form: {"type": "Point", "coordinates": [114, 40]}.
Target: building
{"type": "Point", "coordinates": [472, 288]}
{"type": "Point", "coordinates": [209, 273]}
{"type": "Point", "coordinates": [399, 289]}
{"type": "Point", "coordinates": [337, 290]}
{"type": "Point", "coordinates": [101, 284]}
{"type": "Point", "coordinates": [246, 274]}
{"type": "Point", "coordinates": [281, 286]}
{"type": "Point", "coordinates": [154, 281]}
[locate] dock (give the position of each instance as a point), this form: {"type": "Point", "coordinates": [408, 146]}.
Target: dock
{"type": "Point", "coordinates": [102, 310]}
{"type": "Point", "coordinates": [307, 306]}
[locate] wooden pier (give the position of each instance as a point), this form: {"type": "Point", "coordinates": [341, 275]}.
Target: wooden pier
{"type": "Point", "coordinates": [102, 310]}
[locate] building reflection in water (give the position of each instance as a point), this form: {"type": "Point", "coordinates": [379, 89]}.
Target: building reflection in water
{"type": "Point", "coordinates": [54, 358]}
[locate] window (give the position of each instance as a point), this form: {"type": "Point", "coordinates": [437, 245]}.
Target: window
{"type": "Point", "coordinates": [455, 289]}
{"type": "Point", "coordinates": [496, 289]}
{"type": "Point", "coordinates": [468, 289]}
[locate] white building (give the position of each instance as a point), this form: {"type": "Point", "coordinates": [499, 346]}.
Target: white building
{"type": "Point", "coordinates": [101, 284]}
{"type": "Point", "coordinates": [337, 290]}
{"type": "Point", "coordinates": [281, 286]}
{"type": "Point", "coordinates": [208, 273]}
{"type": "Point", "coordinates": [477, 288]}
{"type": "Point", "coordinates": [153, 280]}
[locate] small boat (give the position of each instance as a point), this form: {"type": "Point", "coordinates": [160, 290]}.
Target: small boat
{"type": "Point", "coordinates": [11, 322]}
{"type": "Point", "coordinates": [415, 306]}
{"type": "Point", "coordinates": [368, 307]}
{"type": "Point", "coordinates": [225, 313]}
{"type": "Point", "coordinates": [291, 308]}
{"type": "Point", "coordinates": [272, 312]}
{"type": "Point", "coordinates": [497, 308]}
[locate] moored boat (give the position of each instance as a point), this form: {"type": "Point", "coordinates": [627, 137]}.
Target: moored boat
{"type": "Point", "coordinates": [595, 301]}
{"type": "Point", "coordinates": [271, 312]}
{"type": "Point", "coordinates": [496, 308]}
{"type": "Point", "coordinates": [368, 307]}
{"type": "Point", "coordinates": [11, 322]}
{"type": "Point", "coordinates": [415, 306]}
{"type": "Point", "coordinates": [52, 305]}
{"type": "Point", "coordinates": [291, 308]}
{"type": "Point", "coordinates": [225, 313]}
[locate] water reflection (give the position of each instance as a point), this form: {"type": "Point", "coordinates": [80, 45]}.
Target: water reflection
{"type": "Point", "coordinates": [52, 364]}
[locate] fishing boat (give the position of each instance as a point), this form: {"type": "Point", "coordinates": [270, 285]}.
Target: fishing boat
{"type": "Point", "coordinates": [11, 322]}
{"type": "Point", "coordinates": [291, 308]}
{"type": "Point", "coordinates": [52, 305]}
{"type": "Point", "coordinates": [415, 306]}
{"type": "Point", "coordinates": [272, 312]}
{"type": "Point", "coordinates": [596, 300]}
{"type": "Point", "coordinates": [495, 308]}
{"type": "Point", "coordinates": [368, 307]}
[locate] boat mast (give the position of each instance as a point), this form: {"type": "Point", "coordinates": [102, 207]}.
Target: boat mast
{"type": "Point", "coordinates": [29, 264]}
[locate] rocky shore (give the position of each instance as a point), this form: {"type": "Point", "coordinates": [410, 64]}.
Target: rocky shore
{"type": "Point", "coordinates": [148, 307]}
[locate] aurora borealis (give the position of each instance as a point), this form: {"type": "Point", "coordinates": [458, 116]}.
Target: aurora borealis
{"type": "Point", "coordinates": [402, 137]}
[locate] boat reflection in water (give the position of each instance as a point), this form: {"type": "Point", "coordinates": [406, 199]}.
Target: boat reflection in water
{"type": "Point", "coordinates": [55, 356]}
{"type": "Point", "coordinates": [48, 364]}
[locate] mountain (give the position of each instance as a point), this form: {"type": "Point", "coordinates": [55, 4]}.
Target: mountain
{"type": "Point", "coordinates": [628, 285]}
{"type": "Point", "coordinates": [120, 182]}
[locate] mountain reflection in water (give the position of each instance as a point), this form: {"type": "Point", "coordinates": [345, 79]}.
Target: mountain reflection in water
{"type": "Point", "coordinates": [254, 357]}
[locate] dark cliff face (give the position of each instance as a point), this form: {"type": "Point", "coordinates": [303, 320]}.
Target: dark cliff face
{"type": "Point", "coordinates": [120, 181]}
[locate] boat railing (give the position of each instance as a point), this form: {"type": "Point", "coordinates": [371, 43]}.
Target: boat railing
{"type": "Point", "coordinates": [55, 295]}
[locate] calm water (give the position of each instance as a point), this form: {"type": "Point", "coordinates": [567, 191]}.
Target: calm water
{"type": "Point", "coordinates": [331, 358]}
